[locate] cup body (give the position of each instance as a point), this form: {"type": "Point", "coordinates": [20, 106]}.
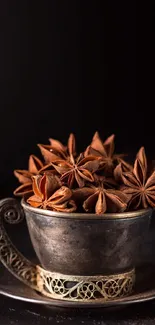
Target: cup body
{"type": "Point", "coordinates": [87, 244]}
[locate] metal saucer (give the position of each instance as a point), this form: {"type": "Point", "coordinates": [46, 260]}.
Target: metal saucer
{"type": "Point", "coordinates": [144, 291]}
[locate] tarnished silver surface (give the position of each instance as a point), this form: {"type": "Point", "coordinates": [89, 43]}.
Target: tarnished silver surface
{"type": "Point", "coordinates": [54, 285]}
{"type": "Point", "coordinates": [144, 291]}
{"type": "Point", "coordinates": [85, 287]}
{"type": "Point", "coordinates": [12, 212]}
{"type": "Point", "coordinates": [84, 215]}
{"type": "Point", "coordinates": [86, 244]}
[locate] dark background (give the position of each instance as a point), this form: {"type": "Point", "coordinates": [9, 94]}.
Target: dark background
{"type": "Point", "coordinates": [74, 66]}
{"type": "Point", "coordinates": [77, 66]}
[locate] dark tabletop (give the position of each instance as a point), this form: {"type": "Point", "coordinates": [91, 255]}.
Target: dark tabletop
{"type": "Point", "coordinates": [13, 312]}
{"type": "Point", "coordinates": [16, 312]}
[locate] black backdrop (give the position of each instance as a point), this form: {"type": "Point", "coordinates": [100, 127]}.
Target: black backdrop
{"type": "Point", "coordinates": [77, 66]}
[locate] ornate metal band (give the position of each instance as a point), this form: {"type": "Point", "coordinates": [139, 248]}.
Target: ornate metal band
{"type": "Point", "coordinates": [85, 288]}
{"type": "Point", "coordinates": [54, 285]}
{"type": "Point", "coordinates": [23, 269]}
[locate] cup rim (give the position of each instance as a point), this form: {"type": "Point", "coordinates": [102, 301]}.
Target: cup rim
{"type": "Point", "coordinates": [85, 215]}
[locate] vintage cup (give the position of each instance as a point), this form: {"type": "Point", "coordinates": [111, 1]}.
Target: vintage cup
{"type": "Point", "coordinates": [83, 256]}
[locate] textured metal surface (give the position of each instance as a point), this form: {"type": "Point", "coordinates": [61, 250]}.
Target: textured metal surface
{"type": "Point", "coordinates": [87, 246]}
{"type": "Point", "coordinates": [144, 291]}
{"type": "Point", "coordinates": [98, 284]}
{"type": "Point", "coordinates": [57, 286]}
{"type": "Point", "coordinates": [12, 259]}
{"type": "Point", "coordinates": [84, 215]}
{"type": "Point", "coordinates": [15, 311]}
{"type": "Point", "coordinates": [85, 288]}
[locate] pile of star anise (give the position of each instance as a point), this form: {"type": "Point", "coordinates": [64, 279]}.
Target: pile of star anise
{"type": "Point", "coordinates": [96, 180]}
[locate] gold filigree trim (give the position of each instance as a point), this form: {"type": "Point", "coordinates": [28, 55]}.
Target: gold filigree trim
{"type": "Point", "coordinates": [85, 288]}
{"type": "Point", "coordinates": [55, 285]}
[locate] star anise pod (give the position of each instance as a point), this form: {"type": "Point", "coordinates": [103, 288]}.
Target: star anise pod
{"type": "Point", "coordinates": [101, 200]}
{"type": "Point", "coordinates": [108, 182]}
{"type": "Point", "coordinates": [122, 167]}
{"type": "Point", "coordinates": [104, 150]}
{"type": "Point", "coordinates": [57, 145]}
{"type": "Point", "coordinates": [77, 171]}
{"type": "Point", "coordinates": [50, 194]}
{"type": "Point", "coordinates": [138, 184]}
{"type": "Point", "coordinates": [56, 150]}
{"type": "Point", "coordinates": [24, 176]}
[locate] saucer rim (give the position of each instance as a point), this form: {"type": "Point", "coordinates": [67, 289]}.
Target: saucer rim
{"type": "Point", "coordinates": [132, 299]}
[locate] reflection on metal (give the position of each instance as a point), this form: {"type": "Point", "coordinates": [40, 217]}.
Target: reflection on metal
{"type": "Point", "coordinates": [53, 285]}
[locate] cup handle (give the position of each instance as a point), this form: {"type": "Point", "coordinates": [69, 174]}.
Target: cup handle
{"type": "Point", "coordinates": [53, 285]}
{"type": "Point", "coordinates": [12, 212]}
